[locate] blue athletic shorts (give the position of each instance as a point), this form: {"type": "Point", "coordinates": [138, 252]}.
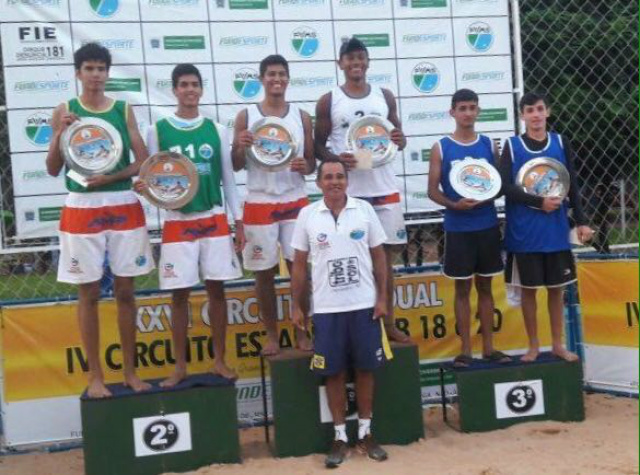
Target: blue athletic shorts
{"type": "Point", "coordinates": [348, 339]}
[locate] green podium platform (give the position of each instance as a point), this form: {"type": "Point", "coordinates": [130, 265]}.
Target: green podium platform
{"type": "Point", "coordinates": [163, 430]}
{"type": "Point", "coordinates": [300, 416]}
{"type": "Point", "coordinates": [494, 396]}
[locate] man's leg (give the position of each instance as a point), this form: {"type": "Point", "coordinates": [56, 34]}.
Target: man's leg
{"type": "Point", "coordinates": [218, 324]}
{"type": "Point", "coordinates": [88, 297]}
{"type": "Point", "coordinates": [462, 310]}
{"type": "Point", "coordinates": [485, 312]}
{"type": "Point", "coordinates": [265, 292]}
{"type": "Point", "coordinates": [529, 312]}
{"type": "Point", "coordinates": [337, 400]}
{"type": "Point", "coordinates": [179, 328]}
{"type": "Point", "coordinates": [125, 301]}
{"type": "Point", "coordinates": [389, 321]}
{"type": "Point", "coordinates": [555, 305]}
{"type": "Point", "coordinates": [303, 342]}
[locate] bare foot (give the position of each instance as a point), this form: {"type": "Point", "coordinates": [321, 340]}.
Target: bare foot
{"type": "Point", "coordinates": [303, 342]}
{"type": "Point", "coordinates": [221, 369]}
{"type": "Point", "coordinates": [97, 390]}
{"type": "Point", "coordinates": [565, 354]}
{"type": "Point", "coordinates": [177, 376]}
{"type": "Point", "coordinates": [530, 355]}
{"type": "Point", "coordinates": [393, 334]}
{"type": "Point", "coordinates": [271, 348]}
{"type": "Point", "coordinates": [136, 383]}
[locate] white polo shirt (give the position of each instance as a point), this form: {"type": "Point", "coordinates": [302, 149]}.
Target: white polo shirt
{"type": "Point", "coordinates": [342, 270]}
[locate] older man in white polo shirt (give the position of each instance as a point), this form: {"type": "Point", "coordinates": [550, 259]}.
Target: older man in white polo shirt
{"type": "Point", "coordinates": [345, 238]}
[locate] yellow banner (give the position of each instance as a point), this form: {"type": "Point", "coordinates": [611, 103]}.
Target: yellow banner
{"type": "Point", "coordinates": [609, 302]}
{"type": "Point", "coordinates": [43, 356]}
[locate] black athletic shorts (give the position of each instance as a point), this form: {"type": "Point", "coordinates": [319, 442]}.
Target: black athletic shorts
{"type": "Point", "coordinates": [472, 253]}
{"type": "Point", "coordinates": [540, 269]}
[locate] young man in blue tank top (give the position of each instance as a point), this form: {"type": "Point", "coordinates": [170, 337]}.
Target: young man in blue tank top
{"type": "Point", "coordinates": [472, 239]}
{"type": "Point", "coordinates": [537, 229]}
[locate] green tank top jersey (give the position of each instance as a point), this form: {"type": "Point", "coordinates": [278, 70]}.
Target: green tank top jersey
{"type": "Point", "coordinates": [201, 144]}
{"type": "Point", "coordinates": [116, 115]}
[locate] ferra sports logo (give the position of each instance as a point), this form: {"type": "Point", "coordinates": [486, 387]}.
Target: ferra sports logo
{"type": "Point", "coordinates": [37, 128]}
{"type": "Point", "coordinates": [305, 41]}
{"type": "Point", "coordinates": [104, 8]}
{"type": "Point", "coordinates": [246, 83]}
{"type": "Point", "coordinates": [425, 77]}
{"type": "Point", "coordinates": [480, 36]}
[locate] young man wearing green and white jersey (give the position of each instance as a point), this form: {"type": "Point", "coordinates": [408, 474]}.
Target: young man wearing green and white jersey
{"type": "Point", "coordinates": [196, 240]}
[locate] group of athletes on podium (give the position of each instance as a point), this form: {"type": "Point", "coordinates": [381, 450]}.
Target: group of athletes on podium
{"type": "Point", "coordinates": [349, 237]}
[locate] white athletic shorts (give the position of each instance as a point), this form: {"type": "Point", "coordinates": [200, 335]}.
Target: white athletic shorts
{"type": "Point", "coordinates": [268, 223]}
{"type": "Point", "coordinates": [196, 247]}
{"type": "Point", "coordinates": [389, 211]}
{"type": "Point", "coordinates": [93, 224]}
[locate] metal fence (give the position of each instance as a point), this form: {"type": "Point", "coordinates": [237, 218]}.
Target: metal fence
{"type": "Point", "coordinates": [580, 53]}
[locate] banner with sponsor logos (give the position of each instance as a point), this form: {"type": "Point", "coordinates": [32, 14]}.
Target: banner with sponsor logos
{"type": "Point", "coordinates": [422, 50]}
{"type": "Point", "coordinates": [609, 305]}
{"type": "Point", "coordinates": [45, 368]}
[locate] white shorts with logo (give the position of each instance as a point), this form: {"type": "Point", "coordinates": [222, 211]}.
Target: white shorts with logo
{"type": "Point", "coordinates": [388, 208]}
{"type": "Point", "coordinates": [94, 225]}
{"type": "Point", "coordinates": [268, 222]}
{"type": "Point", "coordinates": [196, 247]}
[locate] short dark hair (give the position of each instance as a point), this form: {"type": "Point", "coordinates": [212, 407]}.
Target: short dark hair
{"type": "Point", "coordinates": [351, 45]}
{"type": "Point", "coordinates": [184, 69]}
{"type": "Point", "coordinates": [463, 95]}
{"type": "Point", "coordinates": [531, 98]}
{"type": "Point", "coordinates": [330, 160]}
{"type": "Point", "coordinates": [271, 60]}
{"type": "Point", "coordinates": [91, 52]}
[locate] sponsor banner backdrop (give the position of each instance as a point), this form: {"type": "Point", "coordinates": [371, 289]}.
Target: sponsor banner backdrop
{"type": "Point", "coordinates": [421, 50]}
{"type": "Point", "coordinates": [609, 305]}
{"type": "Point", "coordinates": [30, 176]}
{"type": "Point", "coordinates": [38, 216]}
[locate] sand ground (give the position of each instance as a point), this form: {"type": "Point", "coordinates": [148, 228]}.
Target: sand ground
{"type": "Point", "coordinates": [606, 443]}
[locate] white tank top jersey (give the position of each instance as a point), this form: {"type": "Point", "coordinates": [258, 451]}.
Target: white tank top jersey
{"type": "Point", "coordinates": [277, 183]}
{"type": "Point", "coordinates": [344, 110]}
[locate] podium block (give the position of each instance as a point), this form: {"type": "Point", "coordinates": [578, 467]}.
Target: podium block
{"type": "Point", "coordinates": [162, 430]}
{"type": "Point", "coordinates": [494, 396]}
{"type": "Point", "coordinates": [300, 415]}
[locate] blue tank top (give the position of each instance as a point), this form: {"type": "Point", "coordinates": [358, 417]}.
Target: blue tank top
{"type": "Point", "coordinates": [530, 229]}
{"type": "Point", "coordinates": [480, 217]}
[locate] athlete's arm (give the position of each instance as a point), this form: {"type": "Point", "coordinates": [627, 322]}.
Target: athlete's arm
{"type": "Point", "coordinates": [298, 281]}
{"type": "Point", "coordinates": [323, 128]}
{"type": "Point", "coordinates": [309, 152]}
{"type": "Point", "coordinates": [228, 180]}
{"type": "Point", "coordinates": [153, 145]}
{"type": "Point", "coordinates": [59, 122]}
{"type": "Point", "coordinates": [435, 193]}
{"type": "Point", "coordinates": [575, 196]}
{"type": "Point", "coordinates": [378, 260]}
{"type": "Point", "coordinates": [397, 136]}
{"type": "Point", "coordinates": [242, 138]}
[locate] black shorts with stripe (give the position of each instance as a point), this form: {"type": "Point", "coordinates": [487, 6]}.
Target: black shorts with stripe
{"type": "Point", "coordinates": [540, 269]}
{"type": "Point", "coordinates": [472, 253]}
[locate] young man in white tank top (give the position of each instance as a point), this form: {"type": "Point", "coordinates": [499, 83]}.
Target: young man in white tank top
{"type": "Point", "coordinates": [274, 198]}
{"type": "Point", "coordinates": [335, 111]}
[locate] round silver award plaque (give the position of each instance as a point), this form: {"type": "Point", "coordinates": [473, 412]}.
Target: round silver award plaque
{"type": "Point", "coordinates": [545, 177]}
{"type": "Point", "coordinates": [91, 146]}
{"type": "Point", "coordinates": [372, 134]}
{"type": "Point", "coordinates": [475, 179]}
{"type": "Point", "coordinates": [274, 145]}
{"type": "Point", "coordinates": [172, 179]}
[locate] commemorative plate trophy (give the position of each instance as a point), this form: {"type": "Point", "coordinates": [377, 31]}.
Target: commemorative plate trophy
{"type": "Point", "coordinates": [545, 177]}
{"type": "Point", "coordinates": [369, 139]}
{"type": "Point", "coordinates": [90, 146]}
{"type": "Point", "coordinates": [475, 178]}
{"type": "Point", "coordinates": [274, 145]}
{"type": "Point", "coordinates": [172, 180]}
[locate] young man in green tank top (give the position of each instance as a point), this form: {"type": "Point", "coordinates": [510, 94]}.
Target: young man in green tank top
{"type": "Point", "coordinates": [196, 241]}
{"type": "Point", "coordinates": [105, 215]}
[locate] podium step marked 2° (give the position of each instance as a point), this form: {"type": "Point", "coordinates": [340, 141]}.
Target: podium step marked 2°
{"type": "Point", "coordinates": [162, 430]}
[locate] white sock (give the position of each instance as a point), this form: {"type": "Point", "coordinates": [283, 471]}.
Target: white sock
{"type": "Point", "coordinates": [364, 428]}
{"type": "Point", "coordinates": [341, 432]}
